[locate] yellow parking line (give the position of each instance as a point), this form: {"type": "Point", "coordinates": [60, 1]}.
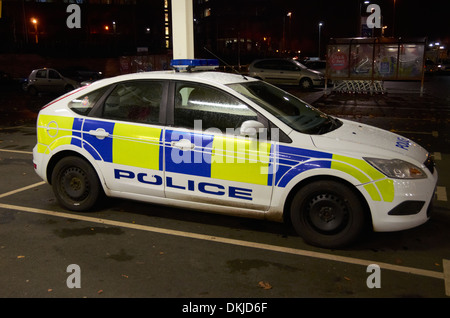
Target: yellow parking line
{"type": "Point", "coordinates": [17, 151]}
{"type": "Point", "coordinates": [21, 189]}
{"type": "Point", "coordinates": [446, 266]}
{"type": "Point", "coordinates": [441, 193]}
{"type": "Point", "coordinates": [273, 248]}
{"type": "Point", "coordinates": [437, 155]}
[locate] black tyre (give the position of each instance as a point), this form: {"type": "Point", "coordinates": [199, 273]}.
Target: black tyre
{"type": "Point", "coordinates": [306, 83]}
{"type": "Point", "coordinates": [75, 184]}
{"type": "Point", "coordinates": [327, 214]}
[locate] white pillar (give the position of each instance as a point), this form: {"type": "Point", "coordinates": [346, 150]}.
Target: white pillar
{"type": "Point", "coordinates": [182, 29]}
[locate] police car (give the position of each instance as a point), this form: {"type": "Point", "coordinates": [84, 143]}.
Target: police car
{"type": "Point", "coordinates": [231, 144]}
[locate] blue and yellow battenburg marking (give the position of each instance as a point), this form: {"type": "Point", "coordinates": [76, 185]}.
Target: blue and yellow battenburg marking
{"type": "Point", "coordinates": [216, 157]}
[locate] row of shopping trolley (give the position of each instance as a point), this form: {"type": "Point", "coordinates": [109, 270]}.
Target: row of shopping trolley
{"type": "Point", "coordinates": [359, 87]}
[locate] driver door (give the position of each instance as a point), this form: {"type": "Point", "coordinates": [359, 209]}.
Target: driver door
{"type": "Point", "coordinates": [206, 157]}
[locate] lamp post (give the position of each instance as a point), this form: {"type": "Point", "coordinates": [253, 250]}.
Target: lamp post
{"type": "Point", "coordinates": [289, 15]}
{"type": "Point", "coordinates": [35, 23]}
{"type": "Point", "coordinates": [320, 29]}
{"type": "Point", "coordinates": [393, 22]}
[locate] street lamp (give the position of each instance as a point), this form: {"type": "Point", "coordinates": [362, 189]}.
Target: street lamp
{"type": "Point", "coordinates": [35, 23]}
{"type": "Point", "coordinates": [320, 28]}
{"type": "Point", "coordinates": [393, 22]}
{"type": "Point", "coordinates": [289, 15]}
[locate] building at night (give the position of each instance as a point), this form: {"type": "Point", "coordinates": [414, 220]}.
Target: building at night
{"type": "Point", "coordinates": [233, 29]}
{"type": "Point", "coordinates": [240, 31]}
{"type": "Point", "coordinates": [237, 31]}
{"type": "Point", "coordinates": [107, 28]}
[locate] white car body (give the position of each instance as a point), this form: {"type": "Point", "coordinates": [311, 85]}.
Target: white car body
{"type": "Point", "coordinates": [190, 168]}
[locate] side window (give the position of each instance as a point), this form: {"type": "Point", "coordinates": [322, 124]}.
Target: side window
{"type": "Point", "coordinates": [268, 64]}
{"type": "Point", "coordinates": [41, 74]}
{"type": "Point", "coordinates": [53, 74]}
{"type": "Point", "coordinates": [136, 101]}
{"type": "Point", "coordinates": [287, 66]}
{"type": "Point", "coordinates": [83, 104]}
{"type": "Point", "coordinates": [262, 64]}
{"type": "Point", "coordinates": [203, 107]}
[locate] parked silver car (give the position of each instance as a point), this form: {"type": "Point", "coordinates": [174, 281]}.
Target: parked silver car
{"type": "Point", "coordinates": [285, 72]}
{"type": "Point", "coordinates": [48, 80]}
{"type": "Point", "coordinates": [317, 65]}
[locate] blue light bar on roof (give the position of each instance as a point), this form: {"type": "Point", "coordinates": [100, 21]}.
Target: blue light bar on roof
{"type": "Point", "coordinates": [194, 64]}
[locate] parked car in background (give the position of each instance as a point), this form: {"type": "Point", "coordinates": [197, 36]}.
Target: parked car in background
{"type": "Point", "coordinates": [82, 74]}
{"type": "Point", "coordinates": [285, 72]}
{"type": "Point", "coordinates": [48, 80]}
{"type": "Point", "coordinates": [444, 66]}
{"type": "Point", "coordinates": [317, 65]}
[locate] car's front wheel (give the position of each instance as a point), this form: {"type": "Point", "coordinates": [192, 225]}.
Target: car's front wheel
{"type": "Point", "coordinates": [75, 184]}
{"type": "Point", "coordinates": [306, 83]}
{"type": "Point", "coordinates": [328, 214]}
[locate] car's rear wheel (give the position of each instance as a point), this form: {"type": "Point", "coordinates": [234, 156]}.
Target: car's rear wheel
{"type": "Point", "coordinates": [327, 214]}
{"type": "Point", "coordinates": [75, 184]}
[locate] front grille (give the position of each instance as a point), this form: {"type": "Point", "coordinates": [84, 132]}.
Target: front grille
{"type": "Point", "coordinates": [429, 163]}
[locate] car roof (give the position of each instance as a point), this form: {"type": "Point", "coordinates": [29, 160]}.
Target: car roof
{"type": "Point", "coordinates": [211, 77]}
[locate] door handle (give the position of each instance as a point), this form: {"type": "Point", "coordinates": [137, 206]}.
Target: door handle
{"type": "Point", "coordinates": [100, 133]}
{"type": "Point", "coordinates": [183, 144]}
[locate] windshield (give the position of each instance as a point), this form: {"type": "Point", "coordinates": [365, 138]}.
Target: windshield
{"type": "Point", "coordinates": [299, 64]}
{"type": "Point", "coordinates": [287, 108]}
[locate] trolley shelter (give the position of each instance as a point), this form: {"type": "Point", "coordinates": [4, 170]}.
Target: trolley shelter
{"type": "Point", "coordinates": [361, 65]}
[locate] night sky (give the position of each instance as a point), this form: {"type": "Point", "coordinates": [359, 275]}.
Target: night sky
{"type": "Point", "coordinates": [413, 18]}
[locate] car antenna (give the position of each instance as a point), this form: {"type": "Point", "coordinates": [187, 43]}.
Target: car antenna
{"type": "Point", "coordinates": [225, 63]}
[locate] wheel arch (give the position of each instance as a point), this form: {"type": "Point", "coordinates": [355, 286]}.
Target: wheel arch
{"type": "Point", "coordinates": [63, 154]}
{"type": "Point", "coordinates": [306, 181]}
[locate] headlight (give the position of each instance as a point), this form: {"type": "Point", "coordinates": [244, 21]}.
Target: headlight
{"type": "Point", "coordinates": [396, 168]}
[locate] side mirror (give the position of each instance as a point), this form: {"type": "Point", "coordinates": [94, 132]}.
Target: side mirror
{"type": "Point", "coordinates": [251, 128]}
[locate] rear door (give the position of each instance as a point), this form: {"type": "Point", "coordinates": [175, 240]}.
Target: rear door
{"type": "Point", "coordinates": [125, 135]}
{"type": "Point", "coordinates": [280, 71]}
{"type": "Point", "coordinates": [288, 72]}
{"type": "Point", "coordinates": [55, 81]}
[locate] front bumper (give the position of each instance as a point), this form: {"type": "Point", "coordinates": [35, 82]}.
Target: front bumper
{"type": "Point", "coordinates": [410, 208]}
{"type": "Point", "coordinates": [318, 81]}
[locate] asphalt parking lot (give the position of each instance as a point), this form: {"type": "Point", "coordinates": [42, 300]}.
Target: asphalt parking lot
{"type": "Point", "coordinates": [129, 249]}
